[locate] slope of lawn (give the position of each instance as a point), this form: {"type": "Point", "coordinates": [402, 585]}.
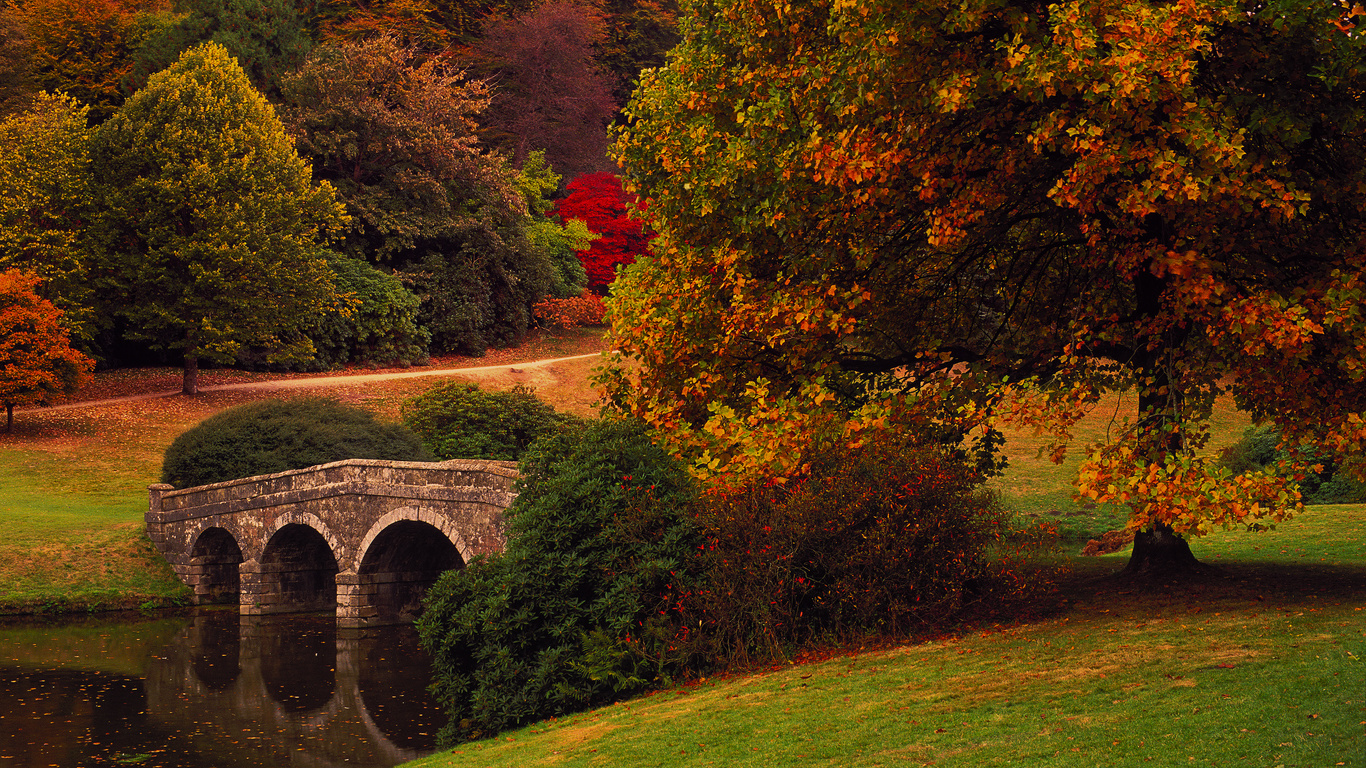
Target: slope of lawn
{"type": "Point", "coordinates": [1259, 663]}
{"type": "Point", "coordinates": [73, 482]}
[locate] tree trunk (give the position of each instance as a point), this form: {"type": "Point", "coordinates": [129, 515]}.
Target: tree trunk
{"type": "Point", "coordinates": [1161, 552]}
{"type": "Point", "coordinates": [9, 416]}
{"type": "Point", "coordinates": [190, 386]}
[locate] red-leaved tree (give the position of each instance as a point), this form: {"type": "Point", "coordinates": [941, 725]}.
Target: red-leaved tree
{"type": "Point", "coordinates": [37, 363]}
{"type": "Point", "coordinates": [598, 200]}
{"type": "Point", "coordinates": [550, 92]}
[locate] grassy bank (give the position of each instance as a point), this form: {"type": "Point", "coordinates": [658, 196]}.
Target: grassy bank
{"type": "Point", "coordinates": [73, 482]}
{"type": "Point", "coordinates": [1261, 664]}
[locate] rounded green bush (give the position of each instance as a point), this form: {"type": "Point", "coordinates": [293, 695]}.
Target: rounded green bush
{"type": "Point", "coordinates": [270, 436]}
{"type": "Point", "coordinates": [573, 614]}
{"type": "Point", "coordinates": [462, 421]}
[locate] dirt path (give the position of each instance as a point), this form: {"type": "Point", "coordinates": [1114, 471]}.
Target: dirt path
{"type": "Point", "coordinates": [318, 381]}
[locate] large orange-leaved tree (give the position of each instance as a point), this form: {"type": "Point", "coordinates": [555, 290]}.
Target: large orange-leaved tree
{"type": "Point", "coordinates": [37, 363]}
{"type": "Point", "coordinates": [901, 215]}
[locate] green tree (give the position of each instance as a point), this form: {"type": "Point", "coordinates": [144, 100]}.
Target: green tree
{"type": "Point", "coordinates": [44, 172]}
{"type": "Point", "coordinates": [884, 215]}
{"type": "Point", "coordinates": [394, 131]}
{"type": "Point", "coordinates": [575, 612]}
{"type": "Point", "coordinates": [212, 229]}
{"type": "Point", "coordinates": [560, 243]}
{"type": "Point", "coordinates": [459, 420]}
{"type": "Point", "coordinates": [267, 37]}
{"type": "Point", "coordinates": [37, 363]}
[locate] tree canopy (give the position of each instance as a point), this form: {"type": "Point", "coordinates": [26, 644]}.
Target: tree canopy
{"type": "Point", "coordinates": [211, 227]}
{"type": "Point", "coordinates": [597, 200]}
{"type": "Point", "coordinates": [551, 93]}
{"type": "Point", "coordinates": [897, 215]}
{"type": "Point", "coordinates": [44, 159]}
{"type": "Point", "coordinates": [395, 132]}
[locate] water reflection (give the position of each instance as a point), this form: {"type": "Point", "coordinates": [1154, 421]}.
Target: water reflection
{"type": "Point", "coordinates": [214, 690]}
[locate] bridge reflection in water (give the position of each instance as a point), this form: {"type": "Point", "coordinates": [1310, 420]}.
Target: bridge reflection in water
{"type": "Point", "coordinates": [232, 691]}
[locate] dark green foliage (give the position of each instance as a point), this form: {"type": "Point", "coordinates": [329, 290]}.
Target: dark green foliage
{"type": "Point", "coordinates": [1260, 450]}
{"type": "Point", "coordinates": [210, 230]}
{"type": "Point", "coordinates": [462, 421]}
{"type": "Point", "coordinates": [480, 294]}
{"type": "Point", "coordinates": [267, 37]}
{"type": "Point", "coordinates": [394, 131]}
{"type": "Point", "coordinates": [560, 243]}
{"type": "Point", "coordinates": [381, 326]}
{"type": "Point", "coordinates": [270, 436]}
{"type": "Point", "coordinates": [572, 614]}
{"type": "Point", "coordinates": [878, 540]}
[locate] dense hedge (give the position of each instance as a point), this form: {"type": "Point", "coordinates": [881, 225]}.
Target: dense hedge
{"type": "Point", "coordinates": [461, 421]}
{"type": "Point", "coordinates": [571, 615]}
{"type": "Point", "coordinates": [276, 435]}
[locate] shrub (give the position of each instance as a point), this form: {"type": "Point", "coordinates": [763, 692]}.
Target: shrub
{"type": "Point", "coordinates": [572, 614]}
{"type": "Point", "coordinates": [462, 421]}
{"type": "Point", "coordinates": [381, 326]}
{"type": "Point", "coordinates": [877, 540]}
{"type": "Point", "coordinates": [276, 435]}
{"type": "Point", "coordinates": [585, 309]}
{"type": "Point", "coordinates": [1260, 449]}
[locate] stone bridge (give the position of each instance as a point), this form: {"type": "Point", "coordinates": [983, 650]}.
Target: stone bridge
{"type": "Point", "coordinates": [364, 536]}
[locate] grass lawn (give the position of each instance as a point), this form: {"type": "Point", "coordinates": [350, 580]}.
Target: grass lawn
{"type": "Point", "coordinates": [1261, 665]}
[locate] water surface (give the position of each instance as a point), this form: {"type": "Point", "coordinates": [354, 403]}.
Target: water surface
{"type": "Point", "coordinates": [213, 689]}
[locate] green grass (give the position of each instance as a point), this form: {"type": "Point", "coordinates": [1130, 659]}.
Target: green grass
{"type": "Point", "coordinates": [1039, 490]}
{"type": "Point", "coordinates": [1261, 664]}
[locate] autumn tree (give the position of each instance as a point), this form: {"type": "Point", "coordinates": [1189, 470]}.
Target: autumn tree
{"type": "Point", "coordinates": [17, 85]}
{"type": "Point", "coordinates": [598, 200]}
{"type": "Point", "coordinates": [413, 24]}
{"type": "Point", "coordinates": [395, 132]}
{"type": "Point", "coordinates": [213, 231]}
{"type": "Point", "coordinates": [44, 178]}
{"type": "Point", "coordinates": [86, 48]}
{"type": "Point", "coordinates": [638, 35]}
{"type": "Point", "coordinates": [888, 215]}
{"type": "Point", "coordinates": [549, 91]}
{"type": "Point", "coordinates": [37, 363]}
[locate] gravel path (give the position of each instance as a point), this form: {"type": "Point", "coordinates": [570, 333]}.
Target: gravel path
{"type": "Point", "coordinates": [318, 381]}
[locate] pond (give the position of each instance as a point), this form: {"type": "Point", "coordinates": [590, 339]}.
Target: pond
{"type": "Point", "coordinates": [214, 689]}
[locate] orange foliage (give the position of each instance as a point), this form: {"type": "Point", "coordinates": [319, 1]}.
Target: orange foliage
{"type": "Point", "coordinates": [585, 309]}
{"type": "Point", "coordinates": [37, 363]}
{"type": "Point", "coordinates": [880, 216]}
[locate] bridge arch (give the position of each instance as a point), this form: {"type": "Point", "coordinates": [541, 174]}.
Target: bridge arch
{"type": "Point", "coordinates": [323, 537]}
{"type": "Point", "coordinates": [401, 556]}
{"type": "Point", "coordinates": [297, 567]}
{"type": "Point", "coordinates": [215, 557]}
